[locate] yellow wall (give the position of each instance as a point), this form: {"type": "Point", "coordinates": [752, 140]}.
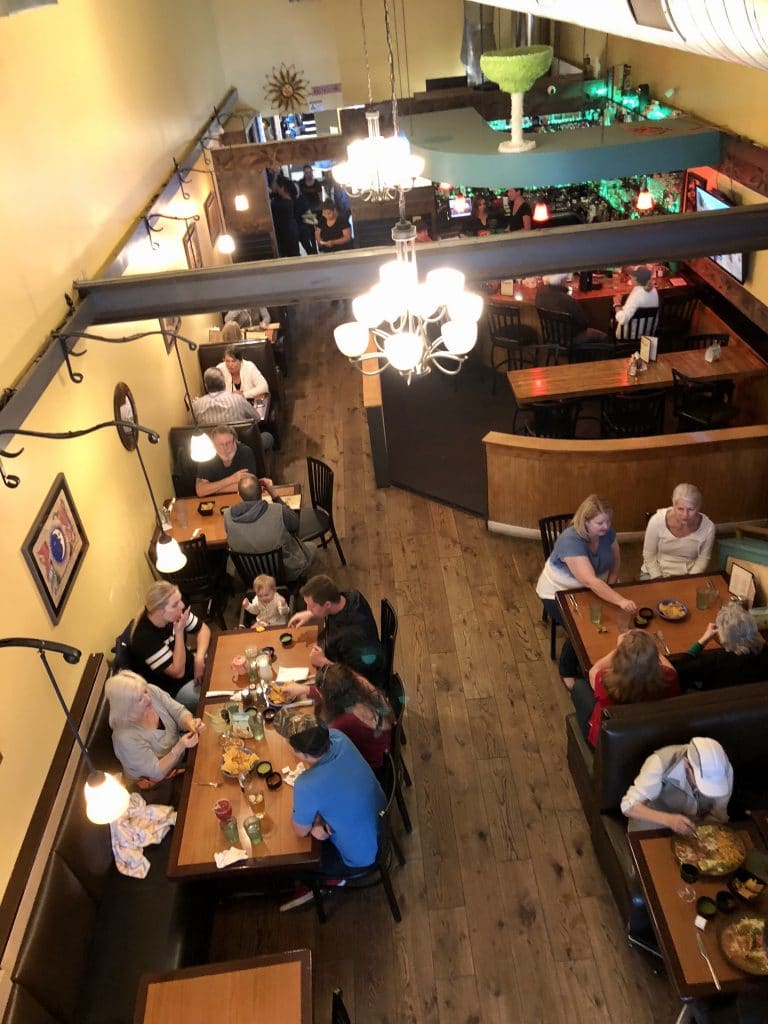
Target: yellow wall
{"type": "Point", "coordinates": [96, 98]}
{"type": "Point", "coordinates": [324, 40]}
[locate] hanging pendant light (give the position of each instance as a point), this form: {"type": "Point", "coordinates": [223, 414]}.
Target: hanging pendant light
{"type": "Point", "coordinates": [105, 799]}
{"type": "Point", "coordinates": [644, 201]}
{"type": "Point", "coordinates": [168, 555]}
{"type": "Point", "coordinates": [201, 447]}
{"type": "Point", "coordinates": [225, 244]}
{"type": "Point", "coordinates": [241, 202]}
{"type": "Point", "coordinates": [540, 213]}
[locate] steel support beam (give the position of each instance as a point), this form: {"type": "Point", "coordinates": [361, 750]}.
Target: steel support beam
{"type": "Point", "coordinates": [286, 281]}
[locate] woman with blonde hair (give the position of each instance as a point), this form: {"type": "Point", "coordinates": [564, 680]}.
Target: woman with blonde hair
{"type": "Point", "coordinates": [742, 656]}
{"type": "Point", "coordinates": [633, 671]}
{"type": "Point", "coordinates": [678, 540]}
{"type": "Point", "coordinates": [158, 649]}
{"type": "Point", "coordinates": [151, 732]}
{"type": "Point", "coordinates": [586, 554]}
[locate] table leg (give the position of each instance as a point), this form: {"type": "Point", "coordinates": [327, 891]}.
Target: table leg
{"type": "Point", "coordinates": [684, 1016]}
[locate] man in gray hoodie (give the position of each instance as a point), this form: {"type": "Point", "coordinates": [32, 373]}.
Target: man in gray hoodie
{"type": "Point", "coordinates": [255, 526]}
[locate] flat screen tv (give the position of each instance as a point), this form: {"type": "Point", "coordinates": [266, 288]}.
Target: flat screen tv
{"type": "Point", "coordinates": [733, 263]}
{"type": "Point", "coordinates": [459, 206]}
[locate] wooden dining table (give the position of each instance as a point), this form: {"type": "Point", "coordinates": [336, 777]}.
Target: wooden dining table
{"type": "Point", "coordinates": [591, 643]}
{"type": "Point", "coordinates": [608, 376]}
{"type": "Point", "coordinates": [187, 521]}
{"type": "Point", "coordinates": [276, 987]}
{"type": "Point", "coordinates": [197, 835]}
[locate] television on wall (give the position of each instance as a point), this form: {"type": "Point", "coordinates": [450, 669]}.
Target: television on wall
{"type": "Point", "coordinates": [459, 206]}
{"type": "Point", "coordinates": [733, 263]}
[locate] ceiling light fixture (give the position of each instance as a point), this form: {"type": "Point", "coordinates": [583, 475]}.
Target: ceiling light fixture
{"type": "Point", "coordinates": [105, 798]}
{"type": "Point", "coordinates": [644, 202]}
{"type": "Point", "coordinates": [241, 202]}
{"type": "Point", "coordinates": [225, 244]}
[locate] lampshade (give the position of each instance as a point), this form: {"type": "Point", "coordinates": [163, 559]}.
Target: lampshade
{"type": "Point", "coordinates": [241, 202]}
{"type": "Point", "coordinates": [459, 338]}
{"type": "Point", "coordinates": [540, 213]}
{"type": "Point", "coordinates": [225, 244]}
{"type": "Point", "coordinates": [404, 350]}
{"type": "Point", "coordinates": [105, 799]}
{"type": "Point", "coordinates": [465, 307]}
{"type": "Point", "coordinates": [168, 555]}
{"type": "Point", "coordinates": [351, 338]}
{"type": "Point", "coordinates": [644, 201]}
{"type": "Point", "coordinates": [447, 282]}
{"type": "Point", "coordinates": [201, 448]}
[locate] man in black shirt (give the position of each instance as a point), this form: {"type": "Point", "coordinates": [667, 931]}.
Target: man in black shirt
{"type": "Point", "coordinates": [552, 296]}
{"type": "Point", "coordinates": [349, 636]}
{"type": "Point", "coordinates": [232, 462]}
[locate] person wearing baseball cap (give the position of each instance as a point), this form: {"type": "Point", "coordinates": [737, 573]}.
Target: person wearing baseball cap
{"type": "Point", "coordinates": [680, 785]}
{"type": "Point", "coordinates": [642, 296]}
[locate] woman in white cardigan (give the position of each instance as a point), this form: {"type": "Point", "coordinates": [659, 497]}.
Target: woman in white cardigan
{"type": "Point", "coordinates": [242, 375]}
{"type": "Point", "coordinates": [678, 540]}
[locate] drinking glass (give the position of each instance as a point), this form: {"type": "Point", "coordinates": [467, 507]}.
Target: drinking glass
{"type": "Point", "coordinates": [595, 614]}
{"type": "Point", "coordinates": [252, 828]}
{"type": "Point", "coordinates": [689, 874]}
{"type": "Point", "coordinates": [703, 595]}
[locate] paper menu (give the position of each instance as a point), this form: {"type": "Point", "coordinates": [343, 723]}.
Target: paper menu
{"type": "Point", "coordinates": [649, 346]}
{"type": "Point", "coordinates": [742, 584]}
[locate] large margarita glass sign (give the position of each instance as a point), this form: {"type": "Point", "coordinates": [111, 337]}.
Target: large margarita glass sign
{"type": "Point", "coordinates": [515, 71]}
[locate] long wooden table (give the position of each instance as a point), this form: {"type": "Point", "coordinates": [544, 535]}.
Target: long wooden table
{"type": "Point", "coordinates": [276, 987]}
{"type": "Point", "coordinates": [607, 376]}
{"type": "Point", "coordinates": [186, 521]}
{"type": "Point", "coordinates": [590, 644]}
{"type": "Point", "coordinates": [673, 919]}
{"type": "Point", "coordinates": [197, 834]}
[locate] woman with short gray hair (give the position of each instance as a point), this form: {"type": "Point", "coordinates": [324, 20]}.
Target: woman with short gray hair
{"type": "Point", "coordinates": [678, 540]}
{"type": "Point", "coordinates": [741, 658]}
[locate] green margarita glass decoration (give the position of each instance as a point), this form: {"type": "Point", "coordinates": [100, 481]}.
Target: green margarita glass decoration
{"type": "Point", "coordinates": [515, 71]}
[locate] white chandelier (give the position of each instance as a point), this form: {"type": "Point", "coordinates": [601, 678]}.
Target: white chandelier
{"type": "Point", "coordinates": [378, 167]}
{"type": "Point", "coordinates": [401, 315]}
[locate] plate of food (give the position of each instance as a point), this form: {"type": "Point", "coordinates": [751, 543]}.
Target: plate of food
{"type": "Point", "coordinates": [277, 697]}
{"type": "Point", "coordinates": [742, 941]}
{"type": "Point", "coordinates": [671, 609]}
{"type": "Point", "coordinates": [237, 761]}
{"type": "Point", "coordinates": [714, 849]}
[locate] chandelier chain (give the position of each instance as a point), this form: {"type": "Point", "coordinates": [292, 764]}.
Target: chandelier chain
{"type": "Point", "coordinates": [391, 60]}
{"type": "Point", "coordinates": [365, 51]}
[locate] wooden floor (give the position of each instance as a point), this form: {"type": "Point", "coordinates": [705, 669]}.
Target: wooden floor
{"type": "Point", "coordinates": [506, 917]}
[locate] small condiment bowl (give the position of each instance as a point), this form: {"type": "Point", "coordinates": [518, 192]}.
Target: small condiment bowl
{"type": "Point", "coordinates": [706, 907]}
{"type": "Point", "coordinates": [269, 715]}
{"type": "Point", "coordinates": [264, 768]}
{"type": "Point", "coordinates": [286, 639]}
{"type": "Point", "coordinates": [645, 613]}
{"type": "Point", "coordinates": [726, 901]}
{"type": "Point", "coordinates": [274, 781]}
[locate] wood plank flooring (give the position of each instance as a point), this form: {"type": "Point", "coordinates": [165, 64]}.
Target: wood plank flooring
{"type": "Point", "coordinates": [506, 916]}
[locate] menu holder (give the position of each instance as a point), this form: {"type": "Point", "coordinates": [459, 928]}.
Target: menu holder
{"type": "Point", "coordinates": [649, 346]}
{"type": "Point", "coordinates": [742, 585]}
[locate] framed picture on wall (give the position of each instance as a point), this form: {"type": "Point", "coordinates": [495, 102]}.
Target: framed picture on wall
{"type": "Point", "coordinates": [55, 547]}
{"type": "Point", "coordinates": [169, 325]}
{"type": "Point", "coordinates": [192, 248]}
{"type": "Point", "coordinates": [213, 217]}
{"type": "Point", "coordinates": [689, 190]}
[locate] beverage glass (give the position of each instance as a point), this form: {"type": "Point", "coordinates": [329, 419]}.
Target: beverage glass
{"type": "Point", "coordinates": [595, 614]}
{"type": "Point", "coordinates": [703, 595]}
{"type": "Point", "coordinates": [689, 874]}
{"type": "Point", "coordinates": [624, 621]}
{"type": "Point", "coordinates": [252, 828]}
{"type": "Point", "coordinates": [229, 830]}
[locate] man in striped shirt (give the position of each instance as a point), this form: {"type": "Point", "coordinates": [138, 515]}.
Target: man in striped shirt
{"type": "Point", "coordinates": [220, 405]}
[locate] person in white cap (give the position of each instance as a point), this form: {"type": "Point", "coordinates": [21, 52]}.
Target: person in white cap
{"type": "Point", "coordinates": [642, 296]}
{"type": "Point", "coordinates": [679, 785]}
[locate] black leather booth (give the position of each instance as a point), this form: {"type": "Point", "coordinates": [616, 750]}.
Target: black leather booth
{"type": "Point", "coordinates": [184, 470]}
{"type": "Point", "coordinates": [260, 353]}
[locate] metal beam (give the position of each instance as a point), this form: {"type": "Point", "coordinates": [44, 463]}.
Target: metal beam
{"type": "Point", "coordinates": [286, 281]}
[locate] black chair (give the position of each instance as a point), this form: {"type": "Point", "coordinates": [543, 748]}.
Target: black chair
{"type": "Point", "coordinates": [633, 414]}
{"type": "Point", "coordinates": [510, 336]}
{"type": "Point", "coordinates": [676, 309]}
{"type": "Point", "coordinates": [705, 340]}
{"type": "Point", "coordinates": [557, 329]}
{"type": "Point", "coordinates": [378, 872]}
{"type": "Point", "coordinates": [388, 633]}
{"type": "Point", "coordinates": [550, 528]}
{"type": "Point", "coordinates": [121, 650]}
{"type": "Point", "coordinates": [591, 351]}
{"type": "Point", "coordinates": [398, 700]}
{"type": "Point", "coordinates": [202, 581]}
{"type": "Point", "coordinates": [644, 321]}
{"type": "Point", "coordinates": [556, 419]}
{"type": "Point", "coordinates": [319, 521]}
{"type": "Point", "coordinates": [249, 565]}
{"type": "Point", "coordinates": [701, 404]}
{"type": "Point", "coordinates": [339, 1013]}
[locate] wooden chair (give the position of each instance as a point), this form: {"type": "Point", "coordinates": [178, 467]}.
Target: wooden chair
{"type": "Point", "coordinates": [676, 309]}
{"type": "Point", "coordinates": [591, 351]}
{"type": "Point", "coordinates": [202, 581]}
{"type": "Point", "coordinates": [249, 565]}
{"type": "Point", "coordinates": [550, 528]}
{"type": "Point", "coordinates": [378, 872]}
{"type": "Point", "coordinates": [643, 322]}
{"type": "Point", "coordinates": [509, 336]}
{"type": "Point", "coordinates": [388, 633]}
{"type": "Point", "coordinates": [557, 329]}
{"type": "Point", "coordinates": [701, 404]}
{"type": "Point", "coordinates": [319, 521]}
{"type": "Point", "coordinates": [705, 340]}
{"type": "Point", "coordinates": [633, 414]}
{"type": "Point", "coordinates": [398, 699]}
{"type": "Point", "coordinates": [553, 419]}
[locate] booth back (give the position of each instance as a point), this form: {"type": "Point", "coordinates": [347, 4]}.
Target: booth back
{"type": "Point", "coordinates": [183, 470]}
{"type": "Point", "coordinates": [258, 352]}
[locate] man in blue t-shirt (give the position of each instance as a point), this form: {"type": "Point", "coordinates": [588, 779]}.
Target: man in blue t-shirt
{"type": "Point", "coordinates": [338, 800]}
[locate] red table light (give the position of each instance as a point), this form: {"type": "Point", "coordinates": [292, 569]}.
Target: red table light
{"type": "Point", "coordinates": [540, 213]}
{"type": "Point", "coordinates": [644, 201]}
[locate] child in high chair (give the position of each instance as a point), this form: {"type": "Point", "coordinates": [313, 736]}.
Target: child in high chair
{"type": "Point", "coordinates": [268, 606]}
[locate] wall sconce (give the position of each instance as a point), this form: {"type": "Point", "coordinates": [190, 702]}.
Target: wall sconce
{"type": "Point", "coordinates": [241, 202]}
{"type": "Point", "coordinates": [151, 229]}
{"type": "Point", "coordinates": [225, 244]}
{"type": "Point", "coordinates": [105, 798]}
{"type": "Point", "coordinates": [183, 176]}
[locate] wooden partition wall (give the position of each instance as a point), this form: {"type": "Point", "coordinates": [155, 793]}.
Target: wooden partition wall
{"type": "Point", "coordinates": [530, 477]}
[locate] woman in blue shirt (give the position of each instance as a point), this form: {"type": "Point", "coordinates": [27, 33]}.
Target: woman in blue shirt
{"type": "Point", "coordinates": [586, 554]}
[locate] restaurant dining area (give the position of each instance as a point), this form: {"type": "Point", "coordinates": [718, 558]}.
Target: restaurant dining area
{"type": "Point", "coordinates": [386, 561]}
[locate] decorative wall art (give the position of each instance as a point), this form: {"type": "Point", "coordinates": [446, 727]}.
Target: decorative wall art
{"type": "Point", "coordinates": [213, 217]}
{"type": "Point", "coordinates": [192, 248]}
{"type": "Point", "coordinates": [55, 547]}
{"type": "Point", "coordinates": [286, 89]}
{"type": "Point", "coordinates": [169, 325]}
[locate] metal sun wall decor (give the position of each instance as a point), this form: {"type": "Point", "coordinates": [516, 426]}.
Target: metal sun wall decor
{"type": "Point", "coordinates": [286, 88]}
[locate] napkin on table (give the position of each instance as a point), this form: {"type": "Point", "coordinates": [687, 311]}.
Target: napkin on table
{"type": "Point", "coordinates": [224, 858]}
